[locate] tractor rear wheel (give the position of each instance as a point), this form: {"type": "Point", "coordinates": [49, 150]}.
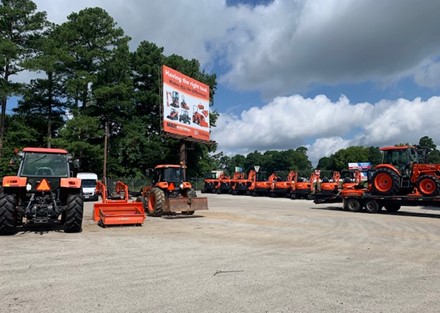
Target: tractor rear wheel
{"type": "Point", "coordinates": [428, 185]}
{"type": "Point", "coordinates": [8, 218]}
{"type": "Point", "coordinates": [385, 182]}
{"type": "Point", "coordinates": [156, 201]}
{"type": "Point", "coordinates": [74, 214]}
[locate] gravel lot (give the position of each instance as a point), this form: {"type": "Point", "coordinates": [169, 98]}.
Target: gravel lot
{"type": "Point", "coordinates": [246, 254]}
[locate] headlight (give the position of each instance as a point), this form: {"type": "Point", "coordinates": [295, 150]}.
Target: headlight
{"type": "Point", "coordinates": [181, 186]}
{"type": "Point", "coordinates": [28, 187]}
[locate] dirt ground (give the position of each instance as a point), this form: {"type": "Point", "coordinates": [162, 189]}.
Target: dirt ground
{"type": "Point", "coordinates": [246, 254]}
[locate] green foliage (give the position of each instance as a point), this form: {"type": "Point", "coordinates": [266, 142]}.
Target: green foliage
{"type": "Point", "coordinates": [340, 159]}
{"type": "Point", "coordinates": [20, 26]}
{"type": "Point", "coordinates": [83, 138]}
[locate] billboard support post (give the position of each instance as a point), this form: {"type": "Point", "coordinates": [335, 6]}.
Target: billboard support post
{"type": "Point", "coordinates": [183, 157]}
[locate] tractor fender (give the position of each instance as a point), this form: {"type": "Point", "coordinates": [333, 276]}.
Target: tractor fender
{"type": "Point", "coordinates": [389, 166]}
{"type": "Point", "coordinates": [70, 182]}
{"type": "Point", "coordinates": [14, 181]}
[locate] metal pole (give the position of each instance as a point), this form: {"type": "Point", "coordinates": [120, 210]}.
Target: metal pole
{"type": "Point", "coordinates": [104, 172]}
{"type": "Point", "coordinates": [183, 156]}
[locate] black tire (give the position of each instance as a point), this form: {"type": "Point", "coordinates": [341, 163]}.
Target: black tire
{"type": "Point", "coordinates": [74, 214]}
{"type": "Point", "coordinates": [385, 182]}
{"type": "Point", "coordinates": [428, 185]}
{"type": "Point", "coordinates": [144, 203]}
{"type": "Point", "coordinates": [8, 219]}
{"type": "Point", "coordinates": [371, 206]}
{"type": "Point", "coordinates": [352, 205]}
{"type": "Point", "coordinates": [292, 195]}
{"type": "Point", "coordinates": [156, 201]}
{"type": "Point", "coordinates": [392, 207]}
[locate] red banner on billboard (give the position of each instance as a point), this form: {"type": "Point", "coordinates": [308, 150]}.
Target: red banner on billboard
{"type": "Point", "coordinates": [185, 105]}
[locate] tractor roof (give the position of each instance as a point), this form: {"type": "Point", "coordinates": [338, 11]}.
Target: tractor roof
{"type": "Point", "coordinates": [169, 166]}
{"type": "Point", "coordinates": [45, 150]}
{"type": "Point", "coordinates": [395, 148]}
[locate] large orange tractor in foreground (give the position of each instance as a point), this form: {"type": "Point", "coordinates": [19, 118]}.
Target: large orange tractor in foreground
{"type": "Point", "coordinates": [404, 171]}
{"type": "Point", "coordinates": [170, 193]}
{"type": "Point", "coordinates": [42, 192]}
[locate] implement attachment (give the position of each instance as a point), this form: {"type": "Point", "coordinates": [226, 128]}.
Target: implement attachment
{"type": "Point", "coordinates": [117, 210]}
{"type": "Point", "coordinates": [186, 204]}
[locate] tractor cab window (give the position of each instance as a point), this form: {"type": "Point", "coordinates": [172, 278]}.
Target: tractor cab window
{"type": "Point", "coordinates": [172, 175]}
{"type": "Point", "coordinates": [44, 165]}
{"type": "Point", "coordinates": [167, 175]}
{"type": "Point", "coordinates": [413, 156]}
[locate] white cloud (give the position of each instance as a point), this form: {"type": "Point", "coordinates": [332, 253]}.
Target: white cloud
{"type": "Point", "coordinates": [286, 46]}
{"type": "Point", "coordinates": [289, 122]}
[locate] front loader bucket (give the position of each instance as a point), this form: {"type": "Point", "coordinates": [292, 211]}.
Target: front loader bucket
{"type": "Point", "coordinates": [186, 204]}
{"type": "Point", "coordinates": [119, 213]}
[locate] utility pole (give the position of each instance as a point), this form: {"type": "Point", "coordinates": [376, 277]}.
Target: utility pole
{"type": "Point", "coordinates": [104, 172]}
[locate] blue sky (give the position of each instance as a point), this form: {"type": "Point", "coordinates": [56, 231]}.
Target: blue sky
{"type": "Point", "coordinates": [325, 74]}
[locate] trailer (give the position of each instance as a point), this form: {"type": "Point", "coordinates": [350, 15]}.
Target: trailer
{"type": "Point", "coordinates": [356, 200]}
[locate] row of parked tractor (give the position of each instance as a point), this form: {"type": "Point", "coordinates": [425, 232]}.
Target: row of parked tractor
{"type": "Point", "coordinates": [404, 178]}
{"type": "Point", "coordinates": [293, 186]}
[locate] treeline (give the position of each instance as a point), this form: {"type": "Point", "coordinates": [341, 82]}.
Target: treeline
{"type": "Point", "coordinates": [297, 160]}
{"type": "Point", "coordinates": [88, 85]}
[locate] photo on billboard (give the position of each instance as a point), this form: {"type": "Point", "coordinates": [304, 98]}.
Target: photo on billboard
{"type": "Point", "coordinates": [185, 105]}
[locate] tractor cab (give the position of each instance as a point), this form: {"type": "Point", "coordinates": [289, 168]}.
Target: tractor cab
{"type": "Point", "coordinates": [401, 157]}
{"type": "Point", "coordinates": [168, 173]}
{"type": "Point", "coordinates": [170, 178]}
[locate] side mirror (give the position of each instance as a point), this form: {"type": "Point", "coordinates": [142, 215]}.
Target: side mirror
{"type": "Point", "coordinates": [149, 172]}
{"type": "Point", "coordinates": [76, 163]}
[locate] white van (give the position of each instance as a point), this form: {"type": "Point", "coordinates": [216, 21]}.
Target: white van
{"type": "Point", "coordinates": [88, 185]}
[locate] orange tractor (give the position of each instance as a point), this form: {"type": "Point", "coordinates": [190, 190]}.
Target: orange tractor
{"type": "Point", "coordinates": [404, 171]}
{"type": "Point", "coordinates": [42, 192]}
{"type": "Point", "coordinates": [241, 185]}
{"type": "Point", "coordinates": [170, 193]}
{"type": "Point", "coordinates": [283, 188]}
{"type": "Point", "coordinates": [210, 182]}
{"type": "Point", "coordinates": [261, 184]}
{"type": "Point", "coordinates": [305, 188]}
{"type": "Point", "coordinates": [332, 186]}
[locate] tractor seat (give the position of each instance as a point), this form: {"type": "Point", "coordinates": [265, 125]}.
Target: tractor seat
{"type": "Point", "coordinates": [44, 171]}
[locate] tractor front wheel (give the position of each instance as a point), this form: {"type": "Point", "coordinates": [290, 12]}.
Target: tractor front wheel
{"type": "Point", "coordinates": [428, 185]}
{"type": "Point", "coordinates": [8, 219]}
{"type": "Point", "coordinates": [385, 182]}
{"type": "Point", "coordinates": [74, 214]}
{"type": "Point", "coordinates": [156, 201]}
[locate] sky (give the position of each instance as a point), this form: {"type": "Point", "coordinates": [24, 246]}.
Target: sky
{"type": "Point", "coordinates": [324, 74]}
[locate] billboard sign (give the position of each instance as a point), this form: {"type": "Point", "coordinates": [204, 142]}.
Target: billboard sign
{"type": "Point", "coordinates": [185, 105]}
{"type": "Point", "coordinates": [359, 166]}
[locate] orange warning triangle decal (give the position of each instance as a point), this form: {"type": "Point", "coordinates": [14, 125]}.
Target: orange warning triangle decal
{"type": "Point", "coordinates": [43, 186]}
